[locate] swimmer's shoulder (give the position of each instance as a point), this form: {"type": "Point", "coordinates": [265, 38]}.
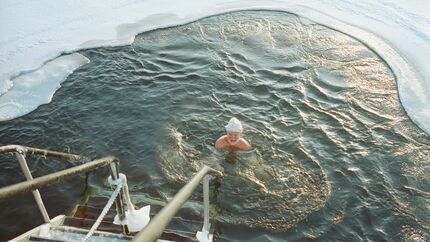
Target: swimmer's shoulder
{"type": "Point", "coordinates": [244, 144]}
{"type": "Point", "coordinates": [221, 142]}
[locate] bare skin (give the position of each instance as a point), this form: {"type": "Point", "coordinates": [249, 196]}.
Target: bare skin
{"type": "Point", "coordinates": [232, 141]}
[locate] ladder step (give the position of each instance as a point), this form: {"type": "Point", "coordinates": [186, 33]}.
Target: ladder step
{"type": "Point", "coordinates": [173, 236]}
{"type": "Point", "coordinates": [85, 216]}
{"type": "Point", "coordinates": [90, 212]}
{"type": "Point", "coordinates": [85, 223]}
{"type": "Point", "coordinates": [66, 233]}
{"type": "Point", "coordinates": [98, 201]}
{"type": "Point", "coordinates": [35, 238]}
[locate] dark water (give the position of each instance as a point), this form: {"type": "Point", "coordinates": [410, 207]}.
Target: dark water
{"type": "Point", "coordinates": [335, 156]}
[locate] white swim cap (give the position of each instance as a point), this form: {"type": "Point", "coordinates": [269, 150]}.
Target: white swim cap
{"type": "Point", "coordinates": [234, 125]}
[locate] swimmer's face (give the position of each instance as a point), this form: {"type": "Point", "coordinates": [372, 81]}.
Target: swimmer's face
{"type": "Point", "coordinates": [233, 137]}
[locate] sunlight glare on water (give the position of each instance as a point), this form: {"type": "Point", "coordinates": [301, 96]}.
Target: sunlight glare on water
{"type": "Point", "coordinates": [335, 156]}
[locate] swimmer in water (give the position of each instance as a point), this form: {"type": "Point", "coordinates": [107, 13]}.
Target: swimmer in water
{"type": "Point", "coordinates": [233, 139]}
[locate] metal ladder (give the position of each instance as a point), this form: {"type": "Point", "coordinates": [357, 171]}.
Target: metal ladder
{"type": "Point", "coordinates": [120, 196]}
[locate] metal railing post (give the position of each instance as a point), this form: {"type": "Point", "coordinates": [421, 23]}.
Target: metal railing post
{"type": "Point", "coordinates": [206, 224]}
{"type": "Point", "coordinates": [119, 203]}
{"type": "Point", "coordinates": [20, 155]}
{"type": "Point", "coordinates": [156, 226]}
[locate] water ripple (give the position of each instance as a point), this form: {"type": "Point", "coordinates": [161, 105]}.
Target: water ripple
{"type": "Point", "coordinates": [335, 156]}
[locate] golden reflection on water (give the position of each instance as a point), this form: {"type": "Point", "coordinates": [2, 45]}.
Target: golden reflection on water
{"type": "Point", "coordinates": [346, 94]}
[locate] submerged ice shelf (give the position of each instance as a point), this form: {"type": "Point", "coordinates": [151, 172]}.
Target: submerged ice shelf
{"type": "Point", "coordinates": [35, 88]}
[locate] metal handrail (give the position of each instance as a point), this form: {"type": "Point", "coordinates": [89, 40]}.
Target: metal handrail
{"type": "Point", "coordinates": [49, 179]}
{"type": "Point", "coordinates": [36, 151]}
{"type": "Point", "coordinates": [157, 225]}
{"type": "Point", "coordinates": [20, 153]}
{"type": "Point", "coordinates": [150, 233]}
{"type": "Point", "coordinates": [34, 184]}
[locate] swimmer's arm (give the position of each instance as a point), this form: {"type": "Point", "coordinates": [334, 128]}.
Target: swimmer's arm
{"type": "Point", "coordinates": [219, 144]}
{"type": "Point", "coordinates": [246, 145]}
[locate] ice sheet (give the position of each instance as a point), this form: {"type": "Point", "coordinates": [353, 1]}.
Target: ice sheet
{"type": "Point", "coordinates": [35, 88]}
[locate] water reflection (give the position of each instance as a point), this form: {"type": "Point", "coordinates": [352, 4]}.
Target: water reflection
{"type": "Point", "coordinates": [335, 157]}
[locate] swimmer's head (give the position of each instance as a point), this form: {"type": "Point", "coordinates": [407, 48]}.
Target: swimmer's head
{"type": "Point", "coordinates": [234, 125]}
{"type": "Point", "coordinates": [234, 131]}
